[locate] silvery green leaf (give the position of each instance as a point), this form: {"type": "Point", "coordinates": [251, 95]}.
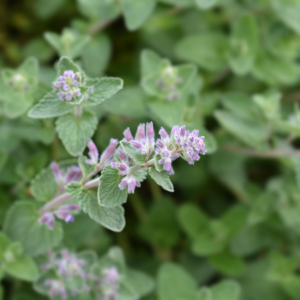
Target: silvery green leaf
{"type": "Point", "coordinates": [111, 218]}
{"type": "Point", "coordinates": [208, 50]}
{"type": "Point", "coordinates": [133, 153]}
{"type": "Point", "coordinates": [98, 44]}
{"type": "Point", "coordinates": [43, 186]}
{"type": "Point", "coordinates": [50, 106]}
{"type": "Point", "coordinates": [76, 132]}
{"type": "Point", "coordinates": [162, 178]}
{"type": "Point", "coordinates": [136, 12]}
{"type": "Point", "coordinates": [69, 43]}
{"type": "Point", "coordinates": [104, 88]}
{"type": "Point", "coordinates": [109, 193]}
{"type": "Point", "coordinates": [21, 224]}
{"type": "Point", "coordinates": [206, 4]}
{"type": "Point", "coordinates": [175, 283]}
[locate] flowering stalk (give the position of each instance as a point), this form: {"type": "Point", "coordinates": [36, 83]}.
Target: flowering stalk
{"type": "Point", "coordinates": [180, 143]}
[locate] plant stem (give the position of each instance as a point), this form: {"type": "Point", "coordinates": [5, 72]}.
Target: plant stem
{"type": "Point", "coordinates": [148, 164]}
{"type": "Point", "coordinates": [56, 201]}
{"type": "Point", "coordinates": [78, 111]}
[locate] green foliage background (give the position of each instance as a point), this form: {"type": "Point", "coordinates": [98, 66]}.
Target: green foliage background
{"type": "Point", "coordinates": [230, 230]}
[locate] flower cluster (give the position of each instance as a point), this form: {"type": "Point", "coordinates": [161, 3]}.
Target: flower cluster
{"type": "Point", "coordinates": [69, 86]}
{"type": "Point", "coordinates": [168, 82]}
{"type": "Point", "coordinates": [181, 143]}
{"type": "Point", "coordinates": [56, 288]}
{"type": "Point", "coordinates": [62, 177]}
{"type": "Point", "coordinates": [109, 284]}
{"type": "Point", "coordinates": [19, 82]}
{"type": "Point", "coordinates": [105, 157]}
{"type": "Point", "coordinates": [63, 213]}
{"type": "Point", "coordinates": [123, 164]}
{"type": "Point", "coordinates": [66, 266]}
{"type": "Point", "coordinates": [144, 143]}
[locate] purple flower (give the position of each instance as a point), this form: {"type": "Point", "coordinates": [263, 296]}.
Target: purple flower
{"type": "Point", "coordinates": [128, 135]}
{"type": "Point", "coordinates": [62, 177]}
{"type": "Point", "coordinates": [109, 284]}
{"type": "Point", "coordinates": [180, 143]}
{"type": "Point", "coordinates": [93, 153]}
{"type": "Point", "coordinates": [69, 86]}
{"type": "Point", "coordinates": [47, 219]}
{"type": "Point", "coordinates": [130, 182]}
{"type": "Point", "coordinates": [108, 153]}
{"type": "Point", "coordinates": [144, 143]}
{"type": "Point", "coordinates": [56, 288]}
{"type": "Point", "coordinates": [64, 211]}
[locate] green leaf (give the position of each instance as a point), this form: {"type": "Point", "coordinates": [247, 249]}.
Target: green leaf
{"type": "Point", "coordinates": [168, 113]}
{"type": "Point", "coordinates": [275, 70]}
{"type": "Point", "coordinates": [269, 103]}
{"type": "Point", "coordinates": [69, 43]}
{"type": "Point", "coordinates": [99, 10]}
{"type": "Point", "coordinates": [175, 283]}
{"type": "Point", "coordinates": [288, 12]}
{"type": "Point", "coordinates": [193, 220]}
{"type": "Point", "coordinates": [21, 224]}
{"type": "Point", "coordinates": [227, 263]}
{"type": "Point", "coordinates": [104, 88]}
{"type": "Point", "coordinates": [243, 44]}
{"type": "Point", "coordinates": [17, 103]}
{"type": "Point", "coordinates": [140, 283]}
{"type": "Point", "coordinates": [133, 153]}
{"type": "Point", "coordinates": [85, 168]}
{"type": "Point", "coordinates": [50, 106]}
{"type": "Point", "coordinates": [22, 267]}
{"type": "Point", "coordinates": [111, 218]}
{"type": "Point", "coordinates": [208, 50]}
{"type": "Point", "coordinates": [206, 4]}
{"type": "Point", "coordinates": [150, 63]}
{"type": "Point", "coordinates": [44, 186]}
{"type": "Point", "coordinates": [136, 12]}
{"type": "Point", "coordinates": [227, 289]}
{"type": "Point", "coordinates": [250, 132]}
{"type": "Point", "coordinates": [160, 226]}
{"type": "Point", "coordinates": [162, 178]}
{"type": "Point", "coordinates": [90, 55]}
{"type": "Point", "coordinates": [76, 132]}
{"type": "Point", "coordinates": [129, 102]}
{"type": "Point", "coordinates": [109, 193]}
{"type": "Point", "coordinates": [66, 64]}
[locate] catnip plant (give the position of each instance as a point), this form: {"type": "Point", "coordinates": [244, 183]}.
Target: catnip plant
{"type": "Point", "coordinates": [106, 107]}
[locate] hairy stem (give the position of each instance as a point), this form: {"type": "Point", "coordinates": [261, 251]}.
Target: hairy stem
{"type": "Point", "coordinates": [59, 200]}
{"type": "Point", "coordinates": [94, 183]}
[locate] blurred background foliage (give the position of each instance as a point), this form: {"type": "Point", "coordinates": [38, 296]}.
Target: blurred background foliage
{"type": "Point", "coordinates": [235, 215]}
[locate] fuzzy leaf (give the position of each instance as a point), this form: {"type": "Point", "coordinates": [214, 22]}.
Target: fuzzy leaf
{"type": "Point", "coordinates": [43, 186]}
{"type": "Point", "coordinates": [22, 267]}
{"type": "Point", "coordinates": [76, 132]}
{"type": "Point", "coordinates": [175, 283]}
{"type": "Point", "coordinates": [109, 193]}
{"type": "Point", "coordinates": [111, 218]}
{"type": "Point", "coordinates": [66, 64]}
{"type": "Point", "coordinates": [162, 178]}
{"type": "Point", "coordinates": [132, 152]}
{"type": "Point", "coordinates": [50, 106]}
{"type": "Point", "coordinates": [21, 224]}
{"type": "Point", "coordinates": [85, 168]}
{"type": "Point", "coordinates": [136, 12]}
{"type": "Point", "coordinates": [104, 88]}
